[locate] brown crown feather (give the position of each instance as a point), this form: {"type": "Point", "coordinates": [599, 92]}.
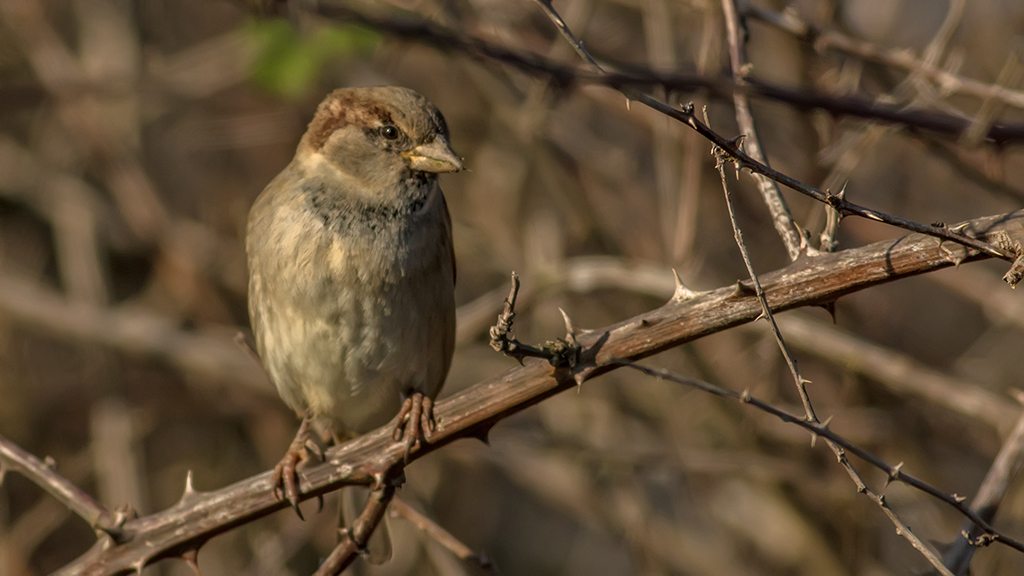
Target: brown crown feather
{"type": "Point", "coordinates": [344, 108]}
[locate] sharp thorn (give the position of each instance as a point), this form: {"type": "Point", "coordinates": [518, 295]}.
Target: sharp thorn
{"type": "Point", "coordinates": [570, 329]}
{"type": "Point", "coordinates": [744, 290]}
{"type": "Point", "coordinates": [191, 557]}
{"type": "Point", "coordinates": [681, 292]}
{"type": "Point", "coordinates": [189, 487]}
{"type": "Point", "coordinates": [483, 436]}
{"type": "Point", "coordinates": [893, 474]}
{"type": "Point", "coordinates": [190, 491]}
{"type": "Point", "coordinates": [830, 307]}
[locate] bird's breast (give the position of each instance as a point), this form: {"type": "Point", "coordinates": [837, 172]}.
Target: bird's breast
{"type": "Point", "coordinates": [355, 303]}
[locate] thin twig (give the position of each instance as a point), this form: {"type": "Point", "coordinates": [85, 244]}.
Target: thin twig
{"type": "Point", "coordinates": [355, 537]}
{"type": "Point", "coordinates": [440, 535]}
{"type": "Point", "coordinates": [894, 473]}
{"type": "Point", "coordinates": [801, 385]}
{"type": "Point", "coordinates": [560, 352]}
{"type": "Point", "coordinates": [744, 160]}
{"type": "Point", "coordinates": [766, 312]}
{"type": "Point", "coordinates": [986, 502]}
{"type": "Point", "coordinates": [563, 76]}
{"type": "Point", "coordinates": [898, 372]}
{"type": "Point", "coordinates": [782, 218]}
{"type": "Point", "coordinates": [501, 332]}
{"type": "Point", "coordinates": [44, 474]}
{"type": "Point", "coordinates": [134, 331]}
{"type": "Point", "coordinates": [901, 58]}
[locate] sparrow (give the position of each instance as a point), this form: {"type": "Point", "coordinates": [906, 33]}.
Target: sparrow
{"type": "Point", "coordinates": [352, 271]}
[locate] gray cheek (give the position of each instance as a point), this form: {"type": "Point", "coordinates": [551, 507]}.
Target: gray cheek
{"type": "Point", "coordinates": [357, 155]}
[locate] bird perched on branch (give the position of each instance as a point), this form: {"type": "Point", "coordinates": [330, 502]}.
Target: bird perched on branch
{"type": "Point", "coordinates": [352, 270]}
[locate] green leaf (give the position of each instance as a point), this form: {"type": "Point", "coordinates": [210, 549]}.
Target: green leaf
{"type": "Point", "coordinates": [289, 64]}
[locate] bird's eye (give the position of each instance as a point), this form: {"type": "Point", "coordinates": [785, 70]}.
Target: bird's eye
{"type": "Point", "coordinates": [389, 131]}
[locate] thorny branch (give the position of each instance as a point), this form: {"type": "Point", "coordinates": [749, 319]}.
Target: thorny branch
{"type": "Point", "coordinates": [564, 76]}
{"type": "Point", "coordinates": [746, 123]}
{"type": "Point", "coordinates": [947, 80]}
{"type": "Point", "coordinates": [733, 147]}
{"type": "Point", "coordinates": [893, 473]}
{"type": "Point", "coordinates": [766, 312]}
{"type": "Point", "coordinates": [401, 508]}
{"type": "Point", "coordinates": [987, 500]}
{"type": "Point", "coordinates": [782, 219]}
{"type": "Point", "coordinates": [44, 474]}
{"type": "Point", "coordinates": [200, 516]}
{"type": "Point", "coordinates": [356, 536]}
{"type": "Point", "coordinates": [721, 157]}
{"type": "Point", "coordinates": [560, 352]}
{"type": "Point", "coordinates": [801, 385]}
{"type": "Point", "coordinates": [111, 523]}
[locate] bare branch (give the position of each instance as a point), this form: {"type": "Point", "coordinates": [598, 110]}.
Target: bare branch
{"type": "Point", "coordinates": [356, 537]}
{"type": "Point", "coordinates": [563, 76]}
{"type": "Point", "coordinates": [561, 352]}
{"type": "Point", "coordinates": [898, 372]}
{"type": "Point", "coordinates": [133, 331]}
{"type": "Point", "coordinates": [439, 534]}
{"type": "Point", "coordinates": [986, 502]}
{"type": "Point", "coordinates": [810, 418]}
{"type": "Point", "coordinates": [838, 445]}
{"type": "Point", "coordinates": [14, 459]}
{"type": "Point", "coordinates": [200, 516]}
{"type": "Point", "coordinates": [781, 216]}
{"type": "Point", "coordinates": [766, 311]}
{"type": "Point", "coordinates": [901, 58]}
{"type": "Point", "coordinates": [744, 160]}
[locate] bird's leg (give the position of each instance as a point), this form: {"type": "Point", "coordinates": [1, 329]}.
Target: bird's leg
{"type": "Point", "coordinates": [286, 479]}
{"type": "Point", "coordinates": [415, 421]}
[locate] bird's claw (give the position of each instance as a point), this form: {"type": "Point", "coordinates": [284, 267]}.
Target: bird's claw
{"type": "Point", "coordinates": [286, 479]}
{"type": "Point", "coordinates": [415, 421]}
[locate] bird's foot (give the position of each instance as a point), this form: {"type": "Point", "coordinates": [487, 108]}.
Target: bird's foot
{"type": "Point", "coordinates": [415, 422]}
{"type": "Point", "coordinates": [286, 479]}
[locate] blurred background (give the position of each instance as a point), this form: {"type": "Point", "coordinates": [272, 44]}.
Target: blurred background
{"type": "Point", "coordinates": [135, 135]}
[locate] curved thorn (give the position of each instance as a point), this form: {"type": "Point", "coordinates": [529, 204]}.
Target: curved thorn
{"type": "Point", "coordinates": [570, 329]}
{"type": "Point", "coordinates": [681, 292]}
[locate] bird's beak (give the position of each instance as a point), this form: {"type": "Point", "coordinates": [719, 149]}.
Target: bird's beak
{"type": "Point", "coordinates": [435, 156]}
